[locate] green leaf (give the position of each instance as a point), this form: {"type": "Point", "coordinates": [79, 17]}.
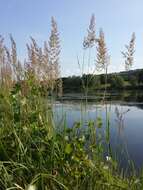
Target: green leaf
{"type": "Point", "coordinates": [68, 149]}
{"type": "Point", "coordinates": [99, 122]}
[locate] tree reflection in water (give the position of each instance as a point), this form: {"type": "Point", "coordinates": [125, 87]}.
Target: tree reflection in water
{"type": "Point", "coordinates": [120, 117]}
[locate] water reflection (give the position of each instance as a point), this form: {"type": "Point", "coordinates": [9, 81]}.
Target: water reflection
{"type": "Point", "coordinates": [126, 122]}
{"type": "Point", "coordinates": [120, 117]}
{"type": "Point", "coordinates": [124, 96]}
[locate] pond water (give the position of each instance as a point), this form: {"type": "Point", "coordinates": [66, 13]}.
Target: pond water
{"type": "Point", "coordinates": [126, 122]}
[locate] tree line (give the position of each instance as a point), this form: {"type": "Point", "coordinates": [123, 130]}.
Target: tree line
{"type": "Point", "coordinates": [132, 79]}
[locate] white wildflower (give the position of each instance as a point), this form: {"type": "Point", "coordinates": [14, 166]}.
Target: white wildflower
{"type": "Point", "coordinates": [108, 158]}
{"type": "Point", "coordinates": [31, 187]}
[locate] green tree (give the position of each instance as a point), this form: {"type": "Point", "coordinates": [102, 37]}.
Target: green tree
{"type": "Point", "coordinates": [140, 77]}
{"type": "Point", "coordinates": [117, 82]}
{"type": "Point", "coordinates": [133, 81]}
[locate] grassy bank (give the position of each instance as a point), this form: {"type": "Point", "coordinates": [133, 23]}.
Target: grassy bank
{"type": "Point", "coordinates": [34, 154]}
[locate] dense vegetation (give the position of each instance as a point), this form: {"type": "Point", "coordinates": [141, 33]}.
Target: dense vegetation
{"type": "Point", "coordinates": [35, 151]}
{"type": "Point", "coordinates": [127, 80]}
{"type": "Point", "coordinates": [36, 155]}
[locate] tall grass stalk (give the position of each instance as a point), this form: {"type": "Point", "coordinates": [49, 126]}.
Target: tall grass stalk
{"type": "Point", "coordinates": [34, 154]}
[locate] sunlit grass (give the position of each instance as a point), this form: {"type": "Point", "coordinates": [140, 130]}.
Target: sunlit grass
{"type": "Point", "coordinates": [35, 155]}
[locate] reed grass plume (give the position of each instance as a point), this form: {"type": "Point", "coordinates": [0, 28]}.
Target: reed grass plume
{"type": "Point", "coordinates": [90, 39]}
{"type": "Point", "coordinates": [128, 54]}
{"type": "Point", "coordinates": [42, 63]}
{"type": "Point", "coordinates": [102, 53]}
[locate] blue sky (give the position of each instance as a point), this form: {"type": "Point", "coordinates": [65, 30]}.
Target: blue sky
{"type": "Point", "coordinates": [118, 18]}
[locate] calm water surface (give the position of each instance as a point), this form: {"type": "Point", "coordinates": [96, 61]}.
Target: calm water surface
{"type": "Point", "coordinates": [126, 121]}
